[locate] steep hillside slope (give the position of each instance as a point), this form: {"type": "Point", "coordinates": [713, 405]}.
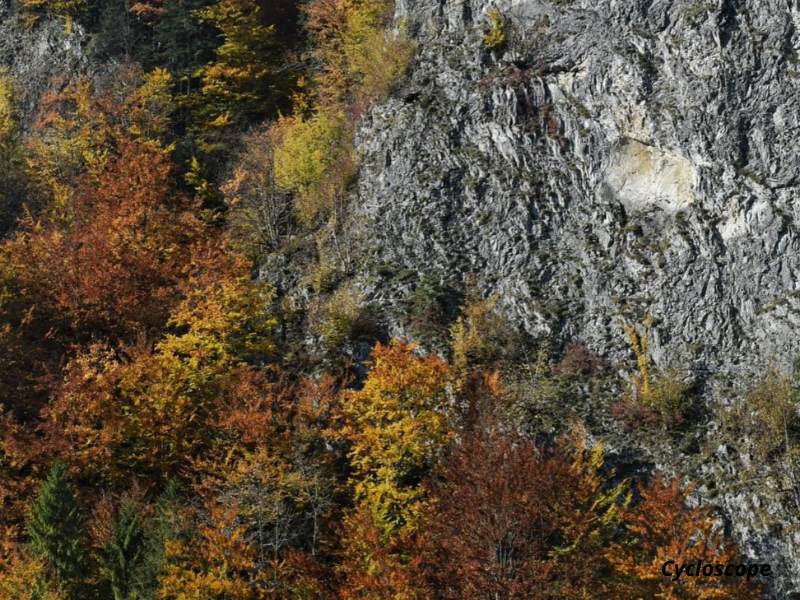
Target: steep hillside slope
{"type": "Point", "coordinates": [614, 159]}
{"type": "Point", "coordinates": [38, 55]}
{"type": "Point", "coordinates": [593, 165]}
{"type": "Point", "coordinates": [611, 160]}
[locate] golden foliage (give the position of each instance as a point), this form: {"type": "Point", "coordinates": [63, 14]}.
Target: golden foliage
{"type": "Point", "coordinates": [339, 318]}
{"type": "Point", "coordinates": [397, 425]}
{"type": "Point", "coordinates": [774, 421]}
{"type": "Point", "coordinates": [640, 344]}
{"type": "Point", "coordinates": [25, 578]}
{"type": "Point", "coordinates": [244, 80]}
{"type": "Point", "coordinates": [361, 57]}
{"type": "Point", "coordinates": [8, 108]}
{"type": "Point", "coordinates": [61, 8]}
{"type": "Point", "coordinates": [216, 562]}
{"type": "Point", "coordinates": [315, 162]}
{"type": "Point", "coordinates": [495, 36]}
{"type": "Point", "coordinates": [480, 335]}
{"type": "Point", "coordinates": [656, 397]}
{"type": "Point", "coordinates": [78, 128]}
{"type": "Point", "coordinates": [13, 178]}
{"type": "Point", "coordinates": [259, 212]}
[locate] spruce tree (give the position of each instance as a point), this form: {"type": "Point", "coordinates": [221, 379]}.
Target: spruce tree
{"type": "Point", "coordinates": [163, 526]}
{"type": "Point", "coordinates": [121, 557]}
{"type": "Point", "coordinates": [182, 43]}
{"type": "Point", "coordinates": [55, 528]}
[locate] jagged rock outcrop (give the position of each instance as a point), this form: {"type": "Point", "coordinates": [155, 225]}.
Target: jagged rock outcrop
{"type": "Point", "coordinates": [39, 55]}
{"type": "Point", "coordinates": [614, 159]}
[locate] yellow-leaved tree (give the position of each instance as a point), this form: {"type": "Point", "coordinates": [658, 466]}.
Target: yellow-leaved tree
{"type": "Point", "coordinates": [245, 79]}
{"type": "Point", "coordinates": [397, 425]}
{"type": "Point", "coordinates": [359, 59]}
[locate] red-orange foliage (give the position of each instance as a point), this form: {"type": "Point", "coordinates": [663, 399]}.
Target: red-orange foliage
{"type": "Point", "coordinates": [286, 417]}
{"type": "Point", "coordinates": [84, 421]}
{"type": "Point", "coordinates": [117, 416]}
{"type": "Point", "coordinates": [23, 457]}
{"type": "Point", "coordinates": [113, 269]}
{"type": "Point", "coordinates": [512, 521]}
{"type": "Point", "coordinates": [253, 408]}
{"type": "Point", "coordinates": [152, 409]}
{"type": "Point", "coordinates": [374, 569]}
{"type": "Point", "coordinates": [663, 529]}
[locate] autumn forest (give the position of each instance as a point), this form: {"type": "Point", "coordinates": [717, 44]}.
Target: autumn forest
{"type": "Point", "coordinates": [173, 425]}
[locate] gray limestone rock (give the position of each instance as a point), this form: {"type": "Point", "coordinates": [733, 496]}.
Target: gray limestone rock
{"type": "Point", "coordinates": [615, 159]}
{"type": "Point", "coordinates": [38, 55]}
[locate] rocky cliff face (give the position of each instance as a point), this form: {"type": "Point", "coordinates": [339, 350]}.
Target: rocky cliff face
{"type": "Point", "coordinates": [616, 158]}
{"type": "Point", "coordinates": [37, 56]}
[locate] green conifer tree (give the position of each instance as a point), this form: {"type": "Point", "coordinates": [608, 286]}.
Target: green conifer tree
{"type": "Point", "coordinates": [182, 43]}
{"type": "Point", "coordinates": [55, 528]}
{"type": "Point", "coordinates": [164, 525]}
{"type": "Point", "coordinates": [122, 556]}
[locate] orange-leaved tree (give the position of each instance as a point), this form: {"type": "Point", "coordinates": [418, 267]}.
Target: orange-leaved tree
{"type": "Point", "coordinates": [512, 520]}
{"type": "Point", "coordinates": [373, 567]}
{"type": "Point", "coordinates": [662, 528]}
{"type": "Point", "coordinates": [151, 407]}
{"type": "Point", "coordinates": [111, 268]}
{"type": "Point", "coordinates": [77, 129]}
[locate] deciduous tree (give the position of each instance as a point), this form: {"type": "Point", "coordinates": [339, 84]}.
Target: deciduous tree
{"type": "Point", "coordinates": [397, 425]}
{"type": "Point", "coordinates": [661, 528]}
{"type": "Point", "coordinates": [511, 520]}
{"type": "Point", "coordinates": [113, 267]}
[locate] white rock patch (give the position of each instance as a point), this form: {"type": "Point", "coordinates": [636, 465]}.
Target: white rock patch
{"type": "Point", "coordinates": [642, 176]}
